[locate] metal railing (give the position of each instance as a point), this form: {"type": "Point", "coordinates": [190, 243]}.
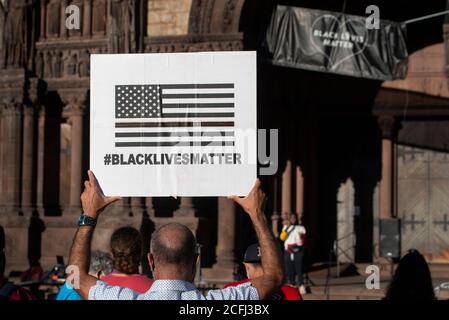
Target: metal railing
{"type": "Point", "coordinates": [338, 250]}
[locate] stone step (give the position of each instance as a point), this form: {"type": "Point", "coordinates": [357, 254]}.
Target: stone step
{"type": "Point", "coordinates": [439, 271]}
{"type": "Point", "coordinates": [353, 287]}
{"type": "Point", "coordinates": [348, 291]}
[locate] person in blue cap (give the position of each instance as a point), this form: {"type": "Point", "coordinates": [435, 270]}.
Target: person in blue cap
{"type": "Point", "coordinates": [252, 261]}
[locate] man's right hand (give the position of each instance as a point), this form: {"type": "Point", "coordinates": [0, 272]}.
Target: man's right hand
{"type": "Point", "coordinates": [254, 202]}
{"type": "Point", "coordinates": [271, 279]}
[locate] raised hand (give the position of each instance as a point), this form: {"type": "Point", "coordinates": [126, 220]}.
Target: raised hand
{"type": "Point", "coordinates": [93, 199]}
{"type": "Point", "coordinates": [254, 202]}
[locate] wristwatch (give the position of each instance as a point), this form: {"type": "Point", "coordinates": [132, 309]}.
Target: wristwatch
{"type": "Point", "coordinates": [86, 220]}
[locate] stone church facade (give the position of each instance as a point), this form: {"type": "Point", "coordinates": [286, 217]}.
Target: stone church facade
{"type": "Point", "coordinates": [346, 159]}
{"type": "Point", "coordinates": [44, 103]}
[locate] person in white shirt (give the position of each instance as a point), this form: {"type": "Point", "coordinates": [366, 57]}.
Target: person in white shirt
{"type": "Point", "coordinates": [294, 252]}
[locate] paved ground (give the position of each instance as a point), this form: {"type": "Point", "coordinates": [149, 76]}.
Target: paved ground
{"type": "Point", "coordinates": [353, 287]}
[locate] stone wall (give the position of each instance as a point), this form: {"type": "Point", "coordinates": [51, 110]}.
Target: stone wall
{"type": "Point", "coordinates": [168, 17]}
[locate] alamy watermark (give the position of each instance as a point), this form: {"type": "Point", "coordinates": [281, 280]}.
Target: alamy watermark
{"type": "Point", "coordinates": [372, 282]}
{"type": "Point", "coordinates": [73, 276]}
{"type": "Point", "coordinates": [73, 21]}
{"type": "Point", "coordinates": [372, 21]}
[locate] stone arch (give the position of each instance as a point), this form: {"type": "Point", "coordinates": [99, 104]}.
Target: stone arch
{"type": "Point", "coordinates": [215, 16]}
{"type": "Point", "coordinates": [168, 17]}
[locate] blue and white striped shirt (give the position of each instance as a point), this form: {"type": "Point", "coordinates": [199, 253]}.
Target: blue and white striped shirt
{"type": "Point", "coordinates": [172, 290]}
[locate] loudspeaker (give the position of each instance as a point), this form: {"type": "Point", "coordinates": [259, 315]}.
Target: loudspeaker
{"type": "Point", "coordinates": [390, 238]}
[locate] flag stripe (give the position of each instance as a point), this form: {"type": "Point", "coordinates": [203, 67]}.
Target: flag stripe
{"type": "Point", "coordinates": [199, 115]}
{"type": "Point", "coordinates": [173, 134]}
{"type": "Point", "coordinates": [198, 86]}
{"type": "Point", "coordinates": [186, 111]}
{"type": "Point", "coordinates": [192, 101]}
{"type": "Point", "coordinates": [179, 119]}
{"type": "Point", "coordinates": [197, 105]}
{"type": "Point", "coordinates": [175, 139]}
{"type": "Point", "coordinates": [173, 124]}
{"type": "Point", "coordinates": [195, 91]}
{"type": "Point", "coordinates": [197, 95]}
{"type": "Point", "coordinates": [174, 144]}
{"type": "Point", "coordinates": [195, 130]}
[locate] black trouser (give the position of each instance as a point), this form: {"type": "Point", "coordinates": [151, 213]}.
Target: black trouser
{"type": "Point", "coordinates": [295, 267]}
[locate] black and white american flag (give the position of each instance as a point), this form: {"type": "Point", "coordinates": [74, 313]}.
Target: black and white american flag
{"type": "Point", "coordinates": [167, 115]}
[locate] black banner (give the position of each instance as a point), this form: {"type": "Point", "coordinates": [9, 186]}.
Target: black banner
{"type": "Point", "coordinates": [335, 42]}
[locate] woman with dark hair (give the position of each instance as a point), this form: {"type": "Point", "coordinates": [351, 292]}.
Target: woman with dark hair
{"type": "Point", "coordinates": [412, 279]}
{"type": "Point", "coordinates": [126, 248]}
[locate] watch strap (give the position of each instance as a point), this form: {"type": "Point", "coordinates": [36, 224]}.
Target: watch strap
{"type": "Point", "coordinates": [86, 220]}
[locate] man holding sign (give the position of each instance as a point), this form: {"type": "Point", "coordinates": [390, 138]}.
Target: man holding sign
{"type": "Point", "coordinates": [175, 117]}
{"type": "Point", "coordinates": [173, 258]}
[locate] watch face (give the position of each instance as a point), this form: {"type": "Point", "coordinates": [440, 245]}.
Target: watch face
{"type": "Point", "coordinates": [87, 221]}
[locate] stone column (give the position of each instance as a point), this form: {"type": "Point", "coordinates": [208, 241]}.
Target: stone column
{"type": "Point", "coordinates": [73, 112]}
{"type": "Point", "coordinates": [223, 269]}
{"type": "Point", "coordinates": [226, 233]}
{"type": "Point", "coordinates": [275, 217]}
{"type": "Point", "coordinates": [136, 206]}
{"type": "Point", "coordinates": [345, 222]}
{"type": "Point", "coordinates": [28, 158]}
{"type": "Point", "coordinates": [299, 192]}
{"type": "Point", "coordinates": [186, 208]}
{"type": "Point", "coordinates": [149, 206]}
{"type": "Point", "coordinates": [63, 29]}
{"type": "Point", "coordinates": [87, 17]}
{"type": "Point", "coordinates": [40, 161]}
{"type": "Point", "coordinates": [1, 157]}
{"type": "Point", "coordinates": [11, 136]}
{"type": "Point", "coordinates": [286, 208]}
{"type": "Point", "coordinates": [43, 20]}
{"type": "Point", "coordinates": [386, 124]}
{"type": "Point", "coordinates": [120, 208]}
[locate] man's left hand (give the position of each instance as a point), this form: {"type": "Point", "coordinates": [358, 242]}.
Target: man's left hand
{"type": "Point", "coordinates": [93, 199]}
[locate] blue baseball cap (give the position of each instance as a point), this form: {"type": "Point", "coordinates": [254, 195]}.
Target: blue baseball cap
{"type": "Point", "coordinates": [252, 254]}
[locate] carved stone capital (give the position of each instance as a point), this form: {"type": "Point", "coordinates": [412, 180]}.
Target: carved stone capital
{"type": "Point", "coordinates": [73, 110]}
{"type": "Point", "coordinates": [29, 110]}
{"type": "Point", "coordinates": [41, 111]}
{"type": "Point", "coordinates": [35, 92]}
{"type": "Point", "coordinates": [33, 96]}
{"type": "Point", "coordinates": [11, 109]}
{"type": "Point", "coordinates": [74, 101]}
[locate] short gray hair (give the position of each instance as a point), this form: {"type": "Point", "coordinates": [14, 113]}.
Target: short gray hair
{"type": "Point", "coordinates": [100, 261]}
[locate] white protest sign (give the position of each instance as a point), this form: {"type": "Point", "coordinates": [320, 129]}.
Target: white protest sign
{"type": "Point", "coordinates": [177, 124]}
